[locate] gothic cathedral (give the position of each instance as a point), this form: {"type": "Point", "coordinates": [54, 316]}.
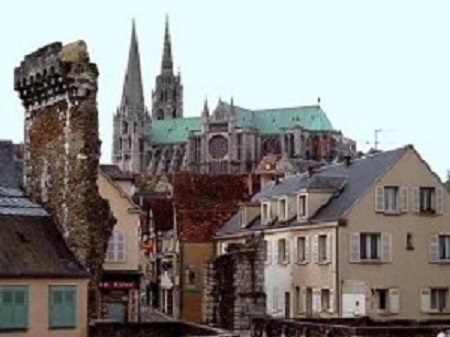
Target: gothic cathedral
{"type": "Point", "coordinates": [230, 139]}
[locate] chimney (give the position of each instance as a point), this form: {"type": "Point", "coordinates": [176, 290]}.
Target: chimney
{"type": "Point", "coordinates": [348, 160]}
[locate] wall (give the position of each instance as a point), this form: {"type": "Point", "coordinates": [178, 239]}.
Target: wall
{"type": "Point", "coordinates": [38, 308]}
{"type": "Point", "coordinates": [194, 255]}
{"type": "Point", "coordinates": [128, 217]}
{"type": "Point", "coordinates": [410, 269]}
{"type": "Point", "coordinates": [57, 86]}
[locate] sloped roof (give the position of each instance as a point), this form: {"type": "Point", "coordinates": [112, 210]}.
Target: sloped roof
{"type": "Point", "coordinates": [352, 182]}
{"type": "Point", "coordinates": [176, 130]}
{"type": "Point", "coordinates": [32, 246]}
{"type": "Point", "coordinates": [114, 172]}
{"type": "Point", "coordinates": [9, 170]}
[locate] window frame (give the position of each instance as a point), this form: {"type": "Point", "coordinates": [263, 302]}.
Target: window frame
{"type": "Point", "coordinates": [113, 253]}
{"type": "Point", "coordinates": [188, 285]}
{"type": "Point", "coordinates": [322, 248]}
{"type": "Point", "coordinates": [376, 295]}
{"type": "Point", "coordinates": [430, 199]}
{"type": "Point", "coordinates": [266, 212]}
{"type": "Point", "coordinates": [15, 306]}
{"type": "Point", "coordinates": [302, 200]}
{"type": "Point", "coordinates": [303, 239]}
{"type": "Point", "coordinates": [367, 246]}
{"type": "Point", "coordinates": [389, 199]}
{"type": "Point", "coordinates": [439, 309]}
{"type": "Point", "coordinates": [282, 253]}
{"type": "Point", "coordinates": [445, 257]}
{"type": "Point", "coordinates": [70, 323]}
{"type": "Point", "coordinates": [284, 212]}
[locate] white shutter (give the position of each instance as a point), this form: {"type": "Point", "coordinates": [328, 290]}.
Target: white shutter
{"type": "Point", "coordinates": [354, 247]}
{"type": "Point", "coordinates": [303, 299]}
{"type": "Point", "coordinates": [386, 247]}
{"type": "Point", "coordinates": [433, 249]}
{"type": "Point", "coordinates": [307, 249]}
{"type": "Point", "coordinates": [316, 305]}
{"type": "Point", "coordinates": [276, 248]}
{"type": "Point", "coordinates": [275, 300]}
{"type": "Point", "coordinates": [404, 191]}
{"type": "Point", "coordinates": [315, 248]}
{"type": "Point", "coordinates": [329, 247]}
{"type": "Point", "coordinates": [415, 199]}
{"type": "Point", "coordinates": [425, 299]}
{"type": "Point", "coordinates": [379, 199]}
{"type": "Point", "coordinates": [394, 301]}
{"type": "Point", "coordinates": [439, 200]}
{"type": "Point", "coordinates": [288, 250]}
{"type": "Point", "coordinates": [295, 249]}
{"type": "Point", "coordinates": [331, 310]}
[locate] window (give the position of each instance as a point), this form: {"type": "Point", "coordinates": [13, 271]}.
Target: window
{"type": "Point", "coordinates": [438, 299]}
{"type": "Point", "coordinates": [391, 198]}
{"type": "Point", "coordinates": [239, 146]}
{"type": "Point", "coordinates": [370, 246]}
{"type": "Point", "coordinates": [322, 248]}
{"type": "Point", "coordinates": [124, 127]}
{"type": "Point", "coordinates": [282, 209]}
{"type": "Point", "coordinates": [282, 251]}
{"type": "Point", "coordinates": [191, 278]}
{"type": "Point", "coordinates": [427, 200]}
{"type": "Point", "coordinates": [62, 306]}
{"type": "Point", "coordinates": [265, 212]}
{"type": "Point", "coordinates": [243, 217]}
{"type": "Point", "coordinates": [381, 299]}
{"type": "Point", "coordinates": [301, 206]}
{"type": "Point", "coordinates": [14, 307]}
{"type": "Point", "coordinates": [444, 247]}
{"type": "Point", "coordinates": [301, 250]}
{"type": "Point", "coordinates": [409, 241]}
{"type": "Point", "coordinates": [266, 251]}
{"type": "Point", "coordinates": [116, 247]}
{"type": "Point", "coordinates": [325, 299]}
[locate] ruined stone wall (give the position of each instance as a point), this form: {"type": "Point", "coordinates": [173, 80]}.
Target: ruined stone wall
{"type": "Point", "coordinates": [58, 88]}
{"type": "Point", "coordinates": [235, 286]}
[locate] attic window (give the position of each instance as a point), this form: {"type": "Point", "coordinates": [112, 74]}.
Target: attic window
{"type": "Point", "coordinates": [283, 208]}
{"type": "Point", "coordinates": [301, 206]}
{"type": "Point", "coordinates": [266, 214]}
{"type": "Point", "coordinates": [243, 217]}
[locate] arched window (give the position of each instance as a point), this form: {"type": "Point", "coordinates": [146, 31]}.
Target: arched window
{"type": "Point", "coordinates": [116, 247]}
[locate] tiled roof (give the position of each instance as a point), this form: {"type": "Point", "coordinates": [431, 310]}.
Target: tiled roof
{"type": "Point", "coordinates": [174, 130]}
{"type": "Point", "coordinates": [13, 202]}
{"type": "Point", "coordinates": [352, 181]}
{"type": "Point", "coordinates": [32, 246]}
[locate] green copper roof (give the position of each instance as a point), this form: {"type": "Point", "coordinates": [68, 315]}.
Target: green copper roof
{"type": "Point", "coordinates": [272, 120]}
{"type": "Point", "coordinates": [173, 130]}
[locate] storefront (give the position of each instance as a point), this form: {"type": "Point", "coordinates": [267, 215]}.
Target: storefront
{"type": "Point", "coordinates": [120, 296]}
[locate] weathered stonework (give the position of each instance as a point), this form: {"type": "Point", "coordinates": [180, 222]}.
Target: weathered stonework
{"type": "Point", "coordinates": [58, 88]}
{"type": "Point", "coordinates": [234, 291]}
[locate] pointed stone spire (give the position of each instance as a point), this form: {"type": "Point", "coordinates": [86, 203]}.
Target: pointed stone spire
{"type": "Point", "coordinates": [167, 62]}
{"type": "Point", "coordinates": [133, 92]}
{"type": "Point", "coordinates": [205, 112]}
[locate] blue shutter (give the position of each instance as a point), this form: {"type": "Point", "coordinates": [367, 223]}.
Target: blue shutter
{"type": "Point", "coordinates": [62, 313]}
{"type": "Point", "coordinates": [70, 307]}
{"type": "Point", "coordinates": [14, 307]}
{"type": "Point", "coordinates": [21, 308]}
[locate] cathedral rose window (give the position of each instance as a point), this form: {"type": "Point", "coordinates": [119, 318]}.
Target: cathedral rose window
{"type": "Point", "coordinates": [218, 147]}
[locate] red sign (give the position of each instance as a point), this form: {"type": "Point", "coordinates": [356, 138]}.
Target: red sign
{"type": "Point", "coordinates": [118, 285]}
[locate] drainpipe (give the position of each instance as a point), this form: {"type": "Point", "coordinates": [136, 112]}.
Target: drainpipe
{"type": "Point", "coordinates": [338, 283]}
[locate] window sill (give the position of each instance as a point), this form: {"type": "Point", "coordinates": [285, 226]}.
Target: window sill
{"type": "Point", "coordinates": [392, 213]}
{"type": "Point", "coordinates": [13, 330]}
{"type": "Point", "coordinates": [62, 327]}
{"type": "Point", "coordinates": [443, 261]}
{"type": "Point", "coordinates": [428, 214]}
{"type": "Point", "coordinates": [302, 263]}
{"type": "Point", "coordinates": [323, 263]}
{"type": "Point", "coordinates": [371, 261]}
{"type": "Point", "coordinates": [446, 312]}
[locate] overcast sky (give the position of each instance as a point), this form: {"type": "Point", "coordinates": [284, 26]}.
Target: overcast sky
{"type": "Point", "coordinates": [380, 64]}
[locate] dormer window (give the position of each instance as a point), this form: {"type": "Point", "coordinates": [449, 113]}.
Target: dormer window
{"type": "Point", "coordinates": [302, 206]}
{"type": "Point", "coordinates": [283, 209]}
{"type": "Point", "coordinates": [266, 214]}
{"type": "Point", "coordinates": [243, 217]}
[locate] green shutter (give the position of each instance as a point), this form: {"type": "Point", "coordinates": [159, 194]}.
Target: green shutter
{"type": "Point", "coordinates": [14, 307]}
{"type": "Point", "coordinates": [62, 313]}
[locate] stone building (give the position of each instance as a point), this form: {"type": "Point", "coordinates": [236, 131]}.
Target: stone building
{"type": "Point", "coordinates": [58, 88]}
{"type": "Point", "coordinates": [227, 139]}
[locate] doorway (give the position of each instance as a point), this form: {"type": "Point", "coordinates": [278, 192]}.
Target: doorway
{"type": "Point", "coordinates": [287, 304]}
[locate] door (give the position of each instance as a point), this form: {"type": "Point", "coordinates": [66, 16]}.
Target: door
{"type": "Point", "coordinates": [309, 302]}
{"type": "Point", "coordinates": [287, 304]}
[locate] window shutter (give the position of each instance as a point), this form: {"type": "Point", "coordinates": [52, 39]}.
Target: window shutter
{"type": "Point", "coordinates": [303, 299]}
{"type": "Point", "coordinates": [295, 249]}
{"type": "Point", "coordinates": [379, 199]}
{"type": "Point", "coordinates": [329, 247]}
{"type": "Point", "coordinates": [404, 199]}
{"type": "Point", "coordinates": [276, 249]}
{"type": "Point", "coordinates": [315, 248]}
{"type": "Point", "coordinates": [287, 251]}
{"type": "Point", "coordinates": [70, 307]}
{"type": "Point", "coordinates": [331, 310]}
{"type": "Point", "coordinates": [307, 249]}
{"type": "Point", "coordinates": [433, 252]}
{"type": "Point", "coordinates": [21, 308]}
{"type": "Point", "coordinates": [415, 199]}
{"type": "Point", "coordinates": [316, 305]}
{"type": "Point", "coordinates": [439, 200]}
{"type": "Point", "coordinates": [386, 247]}
{"type": "Point", "coordinates": [354, 247]}
{"type": "Point", "coordinates": [269, 251]}
{"type": "Point", "coordinates": [56, 308]}
{"type": "Point", "coordinates": [274, 300]}
{"type": "Point", "coordinates": [394, 301]}
{"type": "Point", "coordinates": [425, 300]}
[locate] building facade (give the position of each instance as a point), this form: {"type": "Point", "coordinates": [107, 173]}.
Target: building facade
{"type": "Point", "coordinates": [227, 139]}
{"type": "Point", "coordinates": [367, 237]}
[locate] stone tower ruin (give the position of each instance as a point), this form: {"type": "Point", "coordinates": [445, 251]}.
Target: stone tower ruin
{"type": "Point", "coordinates": [58, 88]}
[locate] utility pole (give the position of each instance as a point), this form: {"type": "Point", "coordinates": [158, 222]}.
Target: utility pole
{"type": "Point", "coordinates": [377, 131]}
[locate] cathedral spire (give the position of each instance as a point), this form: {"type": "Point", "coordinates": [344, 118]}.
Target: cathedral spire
{"type": "Point", "coordinates": [205, 112]}
{"type": "Point", "coordinates": [167, 62]}
{"type": "Point", "coordinates": [133, 92]}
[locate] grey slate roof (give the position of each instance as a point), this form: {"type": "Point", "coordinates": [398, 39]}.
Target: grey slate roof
{"type": "Point", "coordinates": [13, 202]}
{"type": "Point", "coordinates": [352, 181]}
{"type": "Point", "coordinates": [9, 169]}
{"type": "Point", "coordinates": [32, 246]}
{"type": "Point", "coordinates": [114, 172]}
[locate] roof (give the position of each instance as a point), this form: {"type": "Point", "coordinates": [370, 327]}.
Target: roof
{"type": "Point", "coordinates": [114, 172]}
{"type": "Point", "coordinates": [174, 130]}
{"type": "Point", "coordinates": [9, 169]}
{"type": "Point", "coordinates": [267, 121]}
{"type": "Point", "coordinates": [351, 182]}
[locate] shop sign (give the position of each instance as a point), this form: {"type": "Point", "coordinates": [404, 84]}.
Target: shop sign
{"type": "Point", "coordinates": [118, 285]}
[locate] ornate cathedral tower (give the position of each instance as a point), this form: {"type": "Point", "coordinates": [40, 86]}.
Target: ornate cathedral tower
{"type": "Point", "coordinates": [131, 118]}
{"type": "Point", "coordinates": [168, 94]}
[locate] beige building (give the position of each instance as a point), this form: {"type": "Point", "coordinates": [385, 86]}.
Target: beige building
{"type": "Point", "coordinates": [121, 272]}
{"type": "Point", "coordinates": [43, 288]}
{"type": "Point", "coordinates": [368, 237]}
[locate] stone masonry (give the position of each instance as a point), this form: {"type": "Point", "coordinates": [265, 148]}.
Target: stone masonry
{"type": "Point", "coordinates": [58, 88]}
{"type": "Point", "coordinates": [234, 291]}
